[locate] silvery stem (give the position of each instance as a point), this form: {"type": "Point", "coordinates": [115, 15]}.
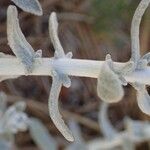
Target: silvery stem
{"type": "Point", "coordinates": [73, 67]}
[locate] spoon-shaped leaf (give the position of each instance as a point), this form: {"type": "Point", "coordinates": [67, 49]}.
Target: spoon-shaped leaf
{"type": "Point", "coordinates": [109, 86]}
{"type": "Point", "coordinates": [32, 6]}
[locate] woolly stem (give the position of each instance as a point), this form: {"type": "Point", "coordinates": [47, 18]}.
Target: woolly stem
{"type": "Point", "coordinates": [73, 67]}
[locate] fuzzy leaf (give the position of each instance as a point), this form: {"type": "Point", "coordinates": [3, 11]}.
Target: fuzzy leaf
{"type": "Point", "coordinates": [53, 108]}
{"type": "Point", "coordinates": [53, 31]}
{"type": "Point", "coordinates": [32, 6]}
{"type": "Point", "coordinates": [41, 135]}
{"type": "Point", "coordinates": [147, 57]}
{"type": "Point", "coordinates": [109, 86]}
{"type": "Point", "coordinates": [143, 100]}
{"type": "Point", "coordinates": [16, 40]}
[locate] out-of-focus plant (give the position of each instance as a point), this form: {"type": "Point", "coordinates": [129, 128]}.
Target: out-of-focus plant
{"type": "Point", "coordinates": [12, 120]}
{"type": "Point", "coordinates": [40, 135]}
{"type": "Point", "coordinates": [79, 142]}
{"type": "Point", "coordinates": [135, 132]}
{"type": "Point", "coordinates": [111, 76]}
{"type": "Point", "coordinates": [32, 6]}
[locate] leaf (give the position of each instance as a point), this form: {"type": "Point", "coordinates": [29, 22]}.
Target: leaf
{"type": "Point", "coordinates": [53, 31]}
{"type": "Point", "coordinates": [14, 119]}
{"type": "Point", "coordinates": [32, 6]}
{"type": "Point", "coordinates": [109, 86]}
{"type": "Point", "coordinates": [79, 143]}
{"type": "Point", "coordinates": [143, 100]}
{"type": "Point", "coordinates": [16, 40]}
{"type": "Point", "coordinates": [41, 135]}
{"type": "Point", "coordinates": [53, 108]}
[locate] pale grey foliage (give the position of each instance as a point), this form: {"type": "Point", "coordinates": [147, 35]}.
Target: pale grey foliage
{"type": "Point", "coordinates": [111, 77]}
{"type": "Point", "coordinates": [59, 79]}
{"type": "Point", "coordinates": [53, 32]}
{"type": "Point", "coordinates": [41, 136]}
{"type": "Point", "coordinates": [135, 26]}
{"type": "Point", "coordinates": [79, 143]}
{"type": "Point", "coordinates": [106, 127]}
{"type": "Point", "coordinates": [143, 98]}
{"type": "Point", "coordinates": [109, 86]}
{"type": "Point", "coordinates": [32, 6]}
{"type": "Point", "coordinates": [135, 132]}
{"type": "Point", "coordinates": [16, 40]}
{"type": "Point", "coordinates": [140, 130]}
{"type": "Point", "coordinates": [59, 52]}
{"type": "Point", "coordinates": [53, 108]}
{"type": "Point", "coordinates": [14, 119]}
{"type": "Point", "coordinates": [147, 57]}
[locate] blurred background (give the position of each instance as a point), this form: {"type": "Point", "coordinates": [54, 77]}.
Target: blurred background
{"type": "Point", "coordinates": [90, 29]}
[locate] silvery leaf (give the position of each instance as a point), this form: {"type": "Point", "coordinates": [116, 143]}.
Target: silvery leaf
{"type": "Point", "coordinates": [41, 136]}
{"type": "Point", "coordinates": [16, 40]}
{"type": "Point", "coordinates": [143, 100]}
{"type": "Point", "coordinates": [32, 6]}
{"type": "Point", "coordinates": [109, 86]}
{"type": "Point", "coordinates": [147, 57]}
{"type": "Point", "coordinates": [53, 108]}
{"type": "Point", "coordinates": [14, 119]}
{"type": "Point", "coordinates": [53, 31]}
{"type": "Point", "coordinates": [127, 68]}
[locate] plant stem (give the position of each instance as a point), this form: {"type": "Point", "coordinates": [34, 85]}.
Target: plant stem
{"type": "Point", "coordinates": [73, 67]}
